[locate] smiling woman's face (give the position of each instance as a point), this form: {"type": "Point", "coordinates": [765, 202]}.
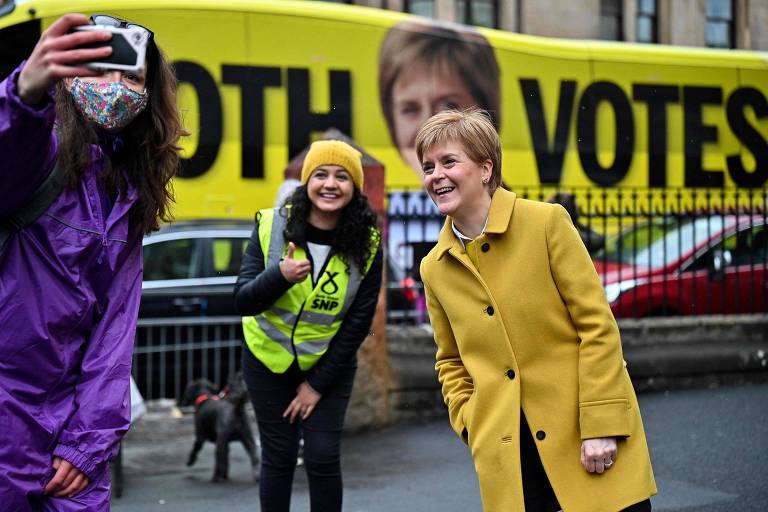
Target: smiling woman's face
{"type": "Point", "coordinates": [330, 188]}
{"type": "Point", "coordinates": [455, 183]}
{"type": "Point", "coordinates": [419, 93]}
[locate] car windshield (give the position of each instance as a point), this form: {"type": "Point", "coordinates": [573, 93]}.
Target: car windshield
{"type": "Point", "coordinates": [659, 242]}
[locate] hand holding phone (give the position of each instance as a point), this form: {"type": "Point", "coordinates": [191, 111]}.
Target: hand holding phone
{"type": "Point", "coordinates": [59, 54]}
{"type": "Point", "coordinates": [129, 48]}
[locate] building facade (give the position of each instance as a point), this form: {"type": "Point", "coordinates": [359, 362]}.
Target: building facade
{"type": "Point", "coordinates": [704, 23]}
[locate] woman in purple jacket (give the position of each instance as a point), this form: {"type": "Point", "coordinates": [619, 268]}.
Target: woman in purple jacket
{"type": "Point", "coordinates": [70, 282]}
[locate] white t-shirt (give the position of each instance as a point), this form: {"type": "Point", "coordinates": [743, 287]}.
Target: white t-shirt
{"type": "Point", "coordinates": [319, 254]}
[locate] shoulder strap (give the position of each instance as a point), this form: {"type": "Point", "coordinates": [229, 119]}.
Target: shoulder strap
{"type": "Point", "coordinates": [38, 204]}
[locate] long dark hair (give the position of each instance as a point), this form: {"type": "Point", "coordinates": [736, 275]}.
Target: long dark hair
{"type": "Point", "coordinates": [352, 235]}
{"type": "Point", "coordinates": [149, 154]}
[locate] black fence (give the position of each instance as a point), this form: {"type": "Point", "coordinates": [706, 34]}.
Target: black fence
{"type": "Point", "coordinates": [659, 252]}
{"type": "Point", "coordinates": [171, 352]}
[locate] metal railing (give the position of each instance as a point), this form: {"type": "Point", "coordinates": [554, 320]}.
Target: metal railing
{"type": "Point", "coordinates": [660, 251]}
{"type": "Point", "coordinates": [635, 232]}
{"type": "Point", "coordinates": [171, 352]}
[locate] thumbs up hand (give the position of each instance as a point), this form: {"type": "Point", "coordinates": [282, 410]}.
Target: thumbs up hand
{"type": "Point", "coordinates": [294, 271]}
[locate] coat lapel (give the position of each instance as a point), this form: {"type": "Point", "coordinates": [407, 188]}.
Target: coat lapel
{"type": "Point", "coordinates": [502, 206]}
{"type": "Point", "coordinates": [499, 217]}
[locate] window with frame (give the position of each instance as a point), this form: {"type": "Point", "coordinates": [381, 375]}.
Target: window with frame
{"type": "Point", "coordinates": [172, 259]}
{"type": "Point", "coordinates": [420, 7]}
{"type": "Point", "coordinates": [720, 25]}
{"type": "Point", "coordinates": [227, 256]}
{"type": "Point", "coordinates": [646, 21]}
{"type": "Point", "coordinates": [611, 20]}
{"type": "Point", "coordinates": [747, 247]}
{"type": "Point", "coordinates": [483, 13]}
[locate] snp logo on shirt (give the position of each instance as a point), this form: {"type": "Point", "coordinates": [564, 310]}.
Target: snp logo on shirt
{"type": "Point", "coordinates": [328, 300]}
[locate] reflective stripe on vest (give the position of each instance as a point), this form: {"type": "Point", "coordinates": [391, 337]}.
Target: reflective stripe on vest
{"type": "Point", "coordinates": [304, 320]}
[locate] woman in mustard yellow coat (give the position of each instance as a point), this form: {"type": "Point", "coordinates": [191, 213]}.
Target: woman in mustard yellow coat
{"type": "Point", "coordinates": [528, 351]}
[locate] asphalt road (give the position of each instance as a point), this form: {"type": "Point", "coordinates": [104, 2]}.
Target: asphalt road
{"type": "Point", "coordinates": [709, 450]}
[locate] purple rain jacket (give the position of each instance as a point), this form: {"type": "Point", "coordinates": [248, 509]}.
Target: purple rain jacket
{"type": "Point", "coordinates": [70, 286]}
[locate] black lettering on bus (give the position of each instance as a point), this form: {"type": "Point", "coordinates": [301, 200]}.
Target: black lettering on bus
{"type": "Point", "coordinates": [209, 106]}
{"type": "Point", "coordinates": [252, 81]}
{"type": "Point", "coordinates": [696, 134]}
{"type": "Point", "coordinates": [656, 97]}
{"type": "Point", "coordinates": [302, 121]}
{"type": "Point", "coordinates": [749, 136]}
{"type": "Point", "coordinates": [586, 133]}
{"type": "Point", "coordinates": [549, 157]}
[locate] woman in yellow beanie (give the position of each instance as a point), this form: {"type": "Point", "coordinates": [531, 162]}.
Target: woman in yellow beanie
{"type": "Point", "coordinates": [309, 285]}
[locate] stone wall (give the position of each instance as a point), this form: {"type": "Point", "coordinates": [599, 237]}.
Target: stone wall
{"type": "Point", "coordinates": [660, 352]}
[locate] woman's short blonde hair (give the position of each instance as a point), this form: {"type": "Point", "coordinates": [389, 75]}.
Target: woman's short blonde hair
{"type": "Point", "coordinates": [473, 129]}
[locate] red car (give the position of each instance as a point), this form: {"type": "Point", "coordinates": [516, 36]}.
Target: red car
{"type": "Point", "coordinates": [706, 265]}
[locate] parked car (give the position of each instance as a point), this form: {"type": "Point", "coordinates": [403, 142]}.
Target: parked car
{"type": "Point", "coordinates": [190, 269]}
{"type": "Point", "coordinates": [706, 265]}
{"type": "Point", "coordinates": [188, 327]}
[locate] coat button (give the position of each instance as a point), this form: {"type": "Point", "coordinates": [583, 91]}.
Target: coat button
{"type": "Point", "coordinates": [510, 374]}
{"type": "Point", "coordinates": [540, 435]}
{"type": "Point", "coordinates": [485, 247]}
{"type": "Point", "coordinates": [489, 310]}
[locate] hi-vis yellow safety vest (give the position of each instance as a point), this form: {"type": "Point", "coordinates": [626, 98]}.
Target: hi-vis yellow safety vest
{"type": "Point", "coordinates": [302, 322]}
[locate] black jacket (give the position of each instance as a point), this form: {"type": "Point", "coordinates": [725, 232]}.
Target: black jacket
{"type": "Point", "coordinates": [257, 288]}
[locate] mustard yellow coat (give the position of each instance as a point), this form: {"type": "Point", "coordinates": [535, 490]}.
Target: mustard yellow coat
{"type": "Point", "coordinates": [534, 305]}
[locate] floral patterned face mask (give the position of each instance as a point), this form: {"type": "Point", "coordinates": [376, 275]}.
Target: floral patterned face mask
{"type": "Point", "coordinates": [111, 105]}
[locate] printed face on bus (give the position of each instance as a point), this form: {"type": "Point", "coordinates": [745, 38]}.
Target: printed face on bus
{"type": "Point", "coordinates": [419, 93]}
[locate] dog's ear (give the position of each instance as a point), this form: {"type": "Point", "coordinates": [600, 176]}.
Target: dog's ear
{"type": "Point", "coordinates": [196, 388]}
{"type": "Point", "coordinates": [190, 393]}
{"type": "Point", "coordinates": [208, 386]}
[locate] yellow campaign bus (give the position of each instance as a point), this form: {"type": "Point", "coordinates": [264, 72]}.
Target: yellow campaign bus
{"type": "Point", "coordinates": [259, 80]}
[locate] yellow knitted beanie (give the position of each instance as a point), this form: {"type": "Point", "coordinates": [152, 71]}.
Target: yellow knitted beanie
{"type": "Point", "coordinates": [333, 152]}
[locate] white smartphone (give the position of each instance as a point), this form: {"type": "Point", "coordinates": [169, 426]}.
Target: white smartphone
{"type": "Point", "coordinates": [129, 48]}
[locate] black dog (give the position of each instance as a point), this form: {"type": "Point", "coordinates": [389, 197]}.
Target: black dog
{"type": "Point", "coordinates": [221, 420]}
